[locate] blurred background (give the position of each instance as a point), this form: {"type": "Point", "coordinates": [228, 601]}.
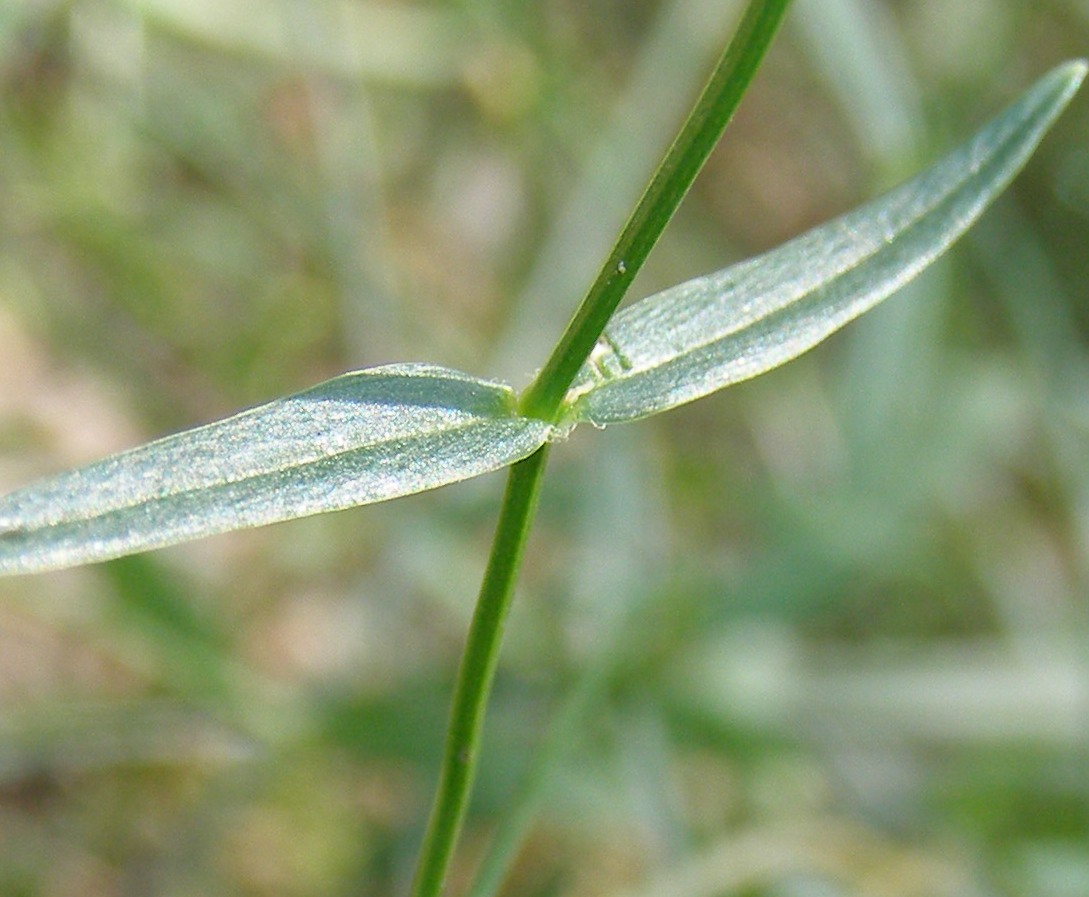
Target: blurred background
{"type": "Point", "coordinates": [822, 634]}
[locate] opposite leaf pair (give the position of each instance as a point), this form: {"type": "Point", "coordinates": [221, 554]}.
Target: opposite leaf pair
{"type": "Point", "coordinates": [400, 429]}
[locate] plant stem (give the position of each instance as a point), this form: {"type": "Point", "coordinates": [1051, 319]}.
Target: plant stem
{"type": "Point", "coordinates": [683, 161]}
{"type": "Point", "coordinates": [543, 400]}
{"type": "Point", "coordinates": [476, 673]}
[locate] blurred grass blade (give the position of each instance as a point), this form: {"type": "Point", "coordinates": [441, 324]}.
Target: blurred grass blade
{"type": "Point", "coordinates": [695, 338]}
{"type": "Point", "coordinates": [363, 437]}
{"type": "Point", "coordinates": [405, 44]}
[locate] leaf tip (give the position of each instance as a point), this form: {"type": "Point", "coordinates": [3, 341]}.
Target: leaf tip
{"type": "Point", "coordinates": [1074, 72]}
{"type": "Point", "coordinates": [1069, 77]}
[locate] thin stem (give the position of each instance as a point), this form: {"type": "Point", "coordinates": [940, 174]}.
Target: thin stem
{"type": "Point", "coordinates": [476, 673]}
{"type": "Point", "coordinates": [543, 399]}
{"type": "Point", "coordinates": [683, 161]}
{"type": "Point", "coordinates": [616, 648]}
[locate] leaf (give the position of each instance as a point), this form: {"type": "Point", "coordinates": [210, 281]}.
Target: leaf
{"type": "Point", "coordinates": [700, 336]}
{"type": "Point", "coordinates": [359, 438]}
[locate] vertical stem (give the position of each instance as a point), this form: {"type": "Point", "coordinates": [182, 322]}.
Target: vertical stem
{"type": "Point", "coordinates": [683, 161]}
{"type": "Point", "coordinates": [543, 399]}
{"type": "Point", "coordinates": [476, 673]}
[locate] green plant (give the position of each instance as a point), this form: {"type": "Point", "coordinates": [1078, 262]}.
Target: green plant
{"type": "Point", "coordinates": [396, 430]}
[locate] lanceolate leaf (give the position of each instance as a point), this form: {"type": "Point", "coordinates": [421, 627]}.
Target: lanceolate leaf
{"type": "Point", "coordinates": [362, 437]}
{"type": "Point", "coordinates": [396, 430]}
{"type": "Point", "coordinates": [697, 337]}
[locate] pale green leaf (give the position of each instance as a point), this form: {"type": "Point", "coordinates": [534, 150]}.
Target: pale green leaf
{"type": "Point", "coordinates": [363, 437]}
{"type": "Point", "coordinates": [700, 336]}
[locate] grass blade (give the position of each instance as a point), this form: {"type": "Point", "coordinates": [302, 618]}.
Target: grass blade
{"type": "Point", "coordinates": [364, 437]}
{"type": "Point", "coordinates": [700, 336]}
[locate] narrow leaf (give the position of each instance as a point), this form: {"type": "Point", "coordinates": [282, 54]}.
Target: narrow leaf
{"type": "Point", "coordinates": [700, 336]}
{"type": "Point", "coordinates": [363, 437]}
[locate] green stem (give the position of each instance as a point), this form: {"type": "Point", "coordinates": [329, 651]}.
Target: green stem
{"type": "Point", "coordinates": [683, 161]}
{"type": "Point", "coordinates": [476, 673]}
{"type": "Point", "coordinates": [543, 400]}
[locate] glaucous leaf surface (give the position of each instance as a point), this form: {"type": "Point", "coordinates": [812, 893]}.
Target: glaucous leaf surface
{"type": "Point", "coordinates": [695, 338]}
{"type": "Point", "coordinates": [359, 438]}
{"type": "Point", "coordinates": [396, 430]}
